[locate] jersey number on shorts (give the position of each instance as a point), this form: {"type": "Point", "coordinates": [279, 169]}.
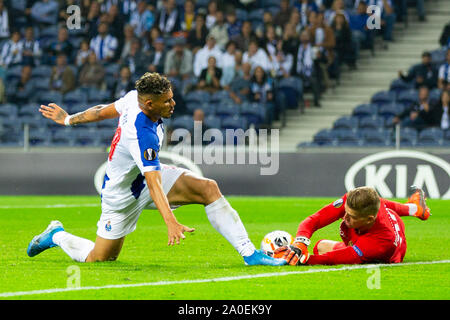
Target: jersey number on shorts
{"type": "Point", "coordinates": [137, 186]}
{"type": "Point", "coordinates": [114, 142]}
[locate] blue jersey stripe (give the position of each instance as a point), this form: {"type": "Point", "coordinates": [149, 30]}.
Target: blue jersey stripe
{"type": "Point", "coordinates": [148, 140]}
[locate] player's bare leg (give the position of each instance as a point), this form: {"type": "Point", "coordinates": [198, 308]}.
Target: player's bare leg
{"type": "Point", "coordinates": [324, 246]}
{"type": "Point", "coordinates": [193, 189]}
{"type": "Point", "coordinates": [105, 250]}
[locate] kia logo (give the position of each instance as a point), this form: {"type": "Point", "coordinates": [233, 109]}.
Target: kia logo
{"type": "Point", "coordinates": [391, 172]}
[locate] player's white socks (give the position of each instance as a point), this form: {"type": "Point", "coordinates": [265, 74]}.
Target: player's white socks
{"type": "Point", "coordinates": [228, 223]}
{"type": "Point", "coordinates": [77, 248]}
{"type": "Point", "coordinates": [412, 208]}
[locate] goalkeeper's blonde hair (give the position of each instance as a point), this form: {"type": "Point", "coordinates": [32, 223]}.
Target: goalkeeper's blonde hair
{"type": "Point", "coordinates": [364, 200]}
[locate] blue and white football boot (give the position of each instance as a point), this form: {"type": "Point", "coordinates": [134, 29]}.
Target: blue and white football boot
{"type": "Point", "coordinates": [260, 258]}
{"type": "Point", "coordinates": [44, 240]}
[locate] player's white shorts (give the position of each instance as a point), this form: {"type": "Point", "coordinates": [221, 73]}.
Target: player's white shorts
{"type": "Point", "coordinates": [115, 225]}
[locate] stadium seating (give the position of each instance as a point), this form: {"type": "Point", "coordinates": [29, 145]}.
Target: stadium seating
{"type": "Point", "coordinates": [431, 137]}
{"type": "Point", "coordinates": [292, 90]}
{"type": "Point", "coordinates": [112, 70]}
{"type": "Point", "coordinates": [220, 96]}
{"type": "Point", "coordinates": [376, 137]}
{"type": "Point", "coordinates": [198, 96]}
{"type": "Point", "coordinates": [408, 137]}
{"type": "Point", "coordinates": [108, 124]}
{"type": "Point", "coordinates": [12, 137]}
{"type": "Point", "coordinates": [42, 71]}
{"type": "Point", "coordinates": [373, 122]}
{"type": "Point", "coordinates": [398, 85]}
{"type": "Point", "coordinates": [227, 110]}
{"type": "Point", "coordinates": [390, 110]}
{"type": "Point", "coordinates": [50, 32]}
{"type": "Point", "coordinates": [383, 97]}
{"type": "Point", "coordinates": [13, 73]}
{"type": "Point", "coordinates": [10, 124]}
{"type": "Point", "coordinates": [212, 121]}
{"type": "Point", "coordinates": [254, 113]}
{"type": "Point", "coordinates": [234, 122]}
{"type": "Point", "coordinates": [184, 122]}
{"type": "Point", "coordinates": [95, 95]}
{"type": "Point", "coordinates": [41, 85]}
{"type": "Point", "coordinates": [105, 136]}
{"type": "Point", "coordinates": [347, 137]}
{"type": "Point", "coordinates": [75, 97]}
{"type": "Point", "coordinates": [408, 97]}
{"type": "Point", "coordinates": [325, 137]}
{"type": "Point", "coordinates": [33, 122]}
{"type": "Point", "coordinates": [8, 110]}
{"type": "Point", "coordinates": [256, 17]}
{"type": "Point", "coordinates": [39, 137]}
{"type": "Point", "coordinates": [435, 95]}
{"type": "Point", "coordinates": [208, 108]}
{"type": "Point", "coordinates": [63, 137]}
{"type": "Point", "coordinates": [241, 15]}
{"type": "Point", "coordinates": [30, 109]}
{"type": "Point", "coordinates": [446, 140]}
{"type": "Point", "coordinates": [365, 110]}
{"type": "Point", "coordinates": [346, 123]}
{"type": "Point", "coordinates": [46, 97]}
{"type": "Point", "coordinates": [270, 3]}
{"type": "Point", "coordinates": [86, 137]}
{"type": "Point", "coordinates": [438, 56]}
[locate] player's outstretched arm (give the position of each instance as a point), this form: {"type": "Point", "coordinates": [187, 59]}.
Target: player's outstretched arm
{"type": "Point", "coordinates": [175, 229]}
{"type": "Point", "coordinates": [97, 113]}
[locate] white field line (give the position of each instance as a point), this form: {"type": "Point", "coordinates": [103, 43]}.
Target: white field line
{"type": "Point", "coordinates": [222, 279]}
{"type": "Point", "coordinates": [52, 206]}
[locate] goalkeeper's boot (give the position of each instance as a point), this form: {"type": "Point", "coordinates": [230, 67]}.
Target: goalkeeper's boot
{"type": "Point", "coordinates": [418, 198]}
{"type": "Point", "coordinates": [44, 240]}
{"type": "Point", "coordinates": [259, 258]}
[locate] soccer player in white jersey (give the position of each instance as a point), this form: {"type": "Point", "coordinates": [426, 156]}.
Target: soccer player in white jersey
{"type": "Point", "coordinates": [135, 180]}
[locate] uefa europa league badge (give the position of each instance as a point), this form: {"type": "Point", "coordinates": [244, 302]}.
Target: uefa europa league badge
{"type": "Point", "coordinates": [150, 154]}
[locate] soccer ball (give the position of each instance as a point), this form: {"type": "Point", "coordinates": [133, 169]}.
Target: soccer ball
{"type": "Point", "coordinates": [274, 240]}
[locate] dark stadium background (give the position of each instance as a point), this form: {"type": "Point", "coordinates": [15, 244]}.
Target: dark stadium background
{"type": "Point", "coordinates": [331, 112]}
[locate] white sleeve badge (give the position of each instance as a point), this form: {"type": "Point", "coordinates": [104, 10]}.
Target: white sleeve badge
{"type": "Point", "coordinates": [338, 203]}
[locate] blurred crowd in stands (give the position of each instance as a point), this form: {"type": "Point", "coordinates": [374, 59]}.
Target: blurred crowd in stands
{"type": "Point", "coordinates": [259, 52]}
{"type": "Point", "coordinates": [418, 101]}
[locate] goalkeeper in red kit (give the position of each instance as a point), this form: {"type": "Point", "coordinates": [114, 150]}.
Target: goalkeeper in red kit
{"type": "Point", "coordinates": [372, 230]}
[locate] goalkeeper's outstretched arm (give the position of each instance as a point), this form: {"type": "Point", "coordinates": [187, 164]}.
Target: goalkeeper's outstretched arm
{"type": "Point", "coordinates": [93, 114]}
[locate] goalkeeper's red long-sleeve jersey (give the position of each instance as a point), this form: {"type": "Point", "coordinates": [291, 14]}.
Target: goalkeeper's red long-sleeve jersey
{"type": "Point", "coordinates": [384, 242]}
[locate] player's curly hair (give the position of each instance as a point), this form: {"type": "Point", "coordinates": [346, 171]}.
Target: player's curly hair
{"type": "Point", "coordinates": [152, 83]}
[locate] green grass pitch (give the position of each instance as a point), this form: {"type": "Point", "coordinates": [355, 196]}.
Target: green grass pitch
{"type": "Point", "coordinates": [146, 258]}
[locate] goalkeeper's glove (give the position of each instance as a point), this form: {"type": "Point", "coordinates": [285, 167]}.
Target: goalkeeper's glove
{"type": "Point", "coordinates": [298, 253]}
